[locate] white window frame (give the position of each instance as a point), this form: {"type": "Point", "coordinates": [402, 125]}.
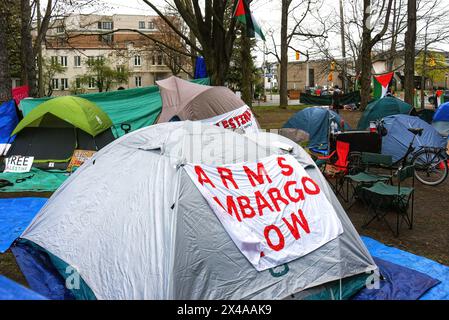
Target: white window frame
{"type": "Point", "coordinates": [64, 84]}
{"type": "Point", "coordinates": [55, 84]}
{"type": "Point", "coordinates": [142, 23]}
{"type": "Point", "coordinates": [63, 61]}
{"type": "Point", "coordinates": [77, 61]}
{"type": "Point", "coordinates": [54, 59]}
{"type": "Point", "coordinates": [108, 24]}
{"type": "Point", "coordinates": [137, 61]}
{"type": "Point", "coordinates": [138, 81]}
{"type": "Point", "coordinates": [92, 83]}
{"type": "Point", "coordinates": [151, 25]}
{"type": "Point", "coordinates": [60, 29]}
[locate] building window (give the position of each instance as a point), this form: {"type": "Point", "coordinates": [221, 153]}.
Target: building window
{"type": "Point", "coordinates": [105, 25]}
{"type": "Point", "coordinates": [63, 61]}
{"type": "Point", "coordinates": [92, 83]}
{"type": "Point", "coordinates": [78, 83]}
{"type": "Point", "coordinates": [141, 24]}
{"type": "Point", "coordinates": [153, 60]}
{"type": "Point", "coordinates": [137, 61]}
{"type": "Point", "coordinates": [106, 38]}
{"type": "Point", "coordinates": [138, 81]}
{"type": "Point", "coordinates": [64, 84]}
{"type": "Point", "coordinates": [159, 60]}
{"type": "Point", "coordinates": [77, 61]}
{"type": "Point", "coordinates": [121, 69]}
{"type": "Point", "coordinates": [55, 84]}
{"type": "Point", "coordinates": [60, 29]}
{"type": "Point", "coordinates": [90, 59]}
{"type": "Point", "coordinates": [151, 25]}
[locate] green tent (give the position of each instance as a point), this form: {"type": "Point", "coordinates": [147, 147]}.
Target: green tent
{"type": "Point", "coordinates": [138, 107]}
{"type": "Point", "coordinates": [76, 111]}
{"type": "Point", "coordinates": [382, 108]}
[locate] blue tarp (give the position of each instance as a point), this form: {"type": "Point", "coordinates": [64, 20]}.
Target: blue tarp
{"type": "Point", "coordinates": [398, 283]}
{"type": "Point", "coordinates": [8, 121]}
{"type": "Point", "coordinates": [15, 215]}
{"type": "Point", "coordinates": [396, 142]}
{"type": "Point", "coordinates": [414, 262]}
{"type": "Point", "coordinates": [315, 121]}
{"type": "Point", "coordinates": [200, 68]}
{"type": "Point", "coordinates": [9, 290]}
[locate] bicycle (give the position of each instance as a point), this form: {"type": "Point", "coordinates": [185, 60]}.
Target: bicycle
{"type": "Point", "coordinates": [430, 163]}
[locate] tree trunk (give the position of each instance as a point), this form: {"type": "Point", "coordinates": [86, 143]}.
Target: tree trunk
{"type": "Point", "coordinates": [283, 98]}
{"type": "Point", "coordinates": [27, 54]}
{"type": "Point", "coordinates": [365, 78]}
{"type": "Point", "coordinates": [410, 42]}
{"type": "Point", "coordinates": [5, 77]}
{"type": "Point", "coordinates": [343, 48]}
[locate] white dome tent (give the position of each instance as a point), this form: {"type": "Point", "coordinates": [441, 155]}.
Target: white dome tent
{"type": "Point", "coordinates": [135, 226]}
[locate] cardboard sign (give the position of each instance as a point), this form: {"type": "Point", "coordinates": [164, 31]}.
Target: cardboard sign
{"type": "Point", "coordinates": [79, 157]}
{"type": "Point", "coordinates": [241, 118]}
{"type": "Point", "coordinates": [18, 164]}
{"type": "Point", "coordinates": [273, 210]}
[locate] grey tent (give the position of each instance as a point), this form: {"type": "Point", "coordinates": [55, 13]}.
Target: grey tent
{"type": "Point", "coordinates": [133, 225]}
{"type": "Point", "coordinates": [184, 100]}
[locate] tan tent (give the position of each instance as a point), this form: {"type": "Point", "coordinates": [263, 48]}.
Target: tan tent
{"type": "Point", "coordinates": [183, 100]}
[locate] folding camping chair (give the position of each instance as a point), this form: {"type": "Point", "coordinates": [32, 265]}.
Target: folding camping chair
{"type": "Point", "coordinates": [362, 174]}
{"type": "Point", "coordinates": [382, 198]}
{"type": "Point", "coordinates": [336, 170]}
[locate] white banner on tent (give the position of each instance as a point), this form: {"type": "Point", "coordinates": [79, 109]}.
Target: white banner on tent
{"type": "Point", "coordinates": [18, 164]}
{"type": "Point", "coordinates": [239, 118]}
{"type": "Point", "coordinates": [273, 210]}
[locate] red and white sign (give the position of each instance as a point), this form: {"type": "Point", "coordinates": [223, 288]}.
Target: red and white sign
{"type": "Point", "coordinates": [239, 118]}
{"type": "Point", "coordinates": [273, 210]}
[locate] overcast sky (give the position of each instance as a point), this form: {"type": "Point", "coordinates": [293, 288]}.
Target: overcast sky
{"type": "Point", "coordinates": [267, 13]}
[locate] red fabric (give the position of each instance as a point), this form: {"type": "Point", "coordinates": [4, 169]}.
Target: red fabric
{"type": "Point", "coordinates": [342, 153]}
{"type": "Point", "coordinates": [240, 10]}
{"type": "Point", "coordinates": [384, 79]}
{"type": "Point", "coordinates": [19, 93]}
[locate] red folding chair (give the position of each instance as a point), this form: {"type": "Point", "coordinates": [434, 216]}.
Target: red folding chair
{"type": "Point", "coordinates": [335, 166]}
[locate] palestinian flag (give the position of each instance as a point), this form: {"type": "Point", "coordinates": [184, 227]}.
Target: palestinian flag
{"type": "Point", "coordinates": [381, 84]}
{"type": "Point", "coordinates": [243, 14]}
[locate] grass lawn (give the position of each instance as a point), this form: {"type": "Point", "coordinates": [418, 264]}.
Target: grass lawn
{"type": "Point", "coordinates": [273, 117]}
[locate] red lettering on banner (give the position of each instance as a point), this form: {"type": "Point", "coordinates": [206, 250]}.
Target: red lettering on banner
{"type": "Point", "coordinates": [232, 208]}
{"type": "Point", "coordinates": [202, 176]}
{"type": "Point", "coordinates": [275, 196]}
{"type": "Point", "coordinates": [245, 204]}
{"type": "Point", "coordinates": [299, 192]}
{"type": "Point", "coordinates": [226, 175]}
{"type": "Point", "coordinates": [281, 241]}
{"type": "Point", "coordinates": [316, 189]}
{"type": "Point", "coordinates": [262, 203]}
{"type": "Point", "coordinates": [288, 169]}
{"type": "Point", "coordinates": [293, 227]}
{"type": "Point", "coordinates": [261, 172]}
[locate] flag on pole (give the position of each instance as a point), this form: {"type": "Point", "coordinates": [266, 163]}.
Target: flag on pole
{"type": "Point", "coordinates": [243, 14]}
{"type": "Point", "coordinates": [381, 84]}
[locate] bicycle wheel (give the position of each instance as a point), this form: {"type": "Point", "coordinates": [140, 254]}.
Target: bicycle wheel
{"type": "Point", "coordinates": [430, 167]}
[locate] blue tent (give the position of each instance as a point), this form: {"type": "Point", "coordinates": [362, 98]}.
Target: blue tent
{"type": "Point", "coordinates": [441, 119]}
{"type": "Point", "coordinates": [316, 122]}
{"type": "Point", "coordinates": [8, 121]}
{"type": "Point", "coordinates": [396, 142]}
